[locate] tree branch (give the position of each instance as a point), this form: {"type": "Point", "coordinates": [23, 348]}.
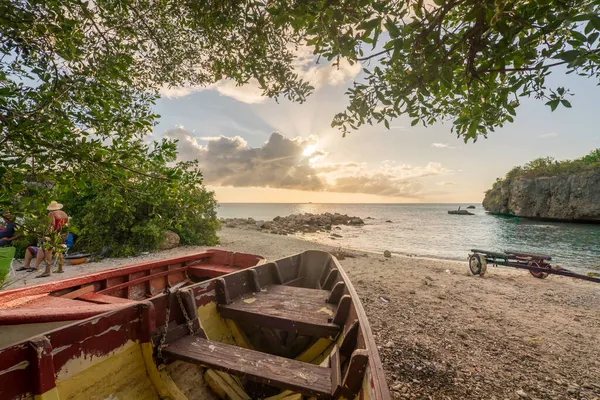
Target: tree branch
{"type": "Point", "coordinates": [141, 173]}
{"type": "Point", "coordinates": [523, 69]}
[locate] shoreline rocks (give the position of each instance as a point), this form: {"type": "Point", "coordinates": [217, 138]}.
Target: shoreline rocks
{"type": "Point", "coordinates": [294, 223]}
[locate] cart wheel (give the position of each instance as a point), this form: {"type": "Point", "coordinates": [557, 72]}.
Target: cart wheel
{"type": "Point", "coordinates": [475, 264]}
{"type": "Point", "coordinates": [537, 274]}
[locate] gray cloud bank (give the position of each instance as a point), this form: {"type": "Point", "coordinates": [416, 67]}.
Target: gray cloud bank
{"type": "Point", "coordinates": [282, 163]}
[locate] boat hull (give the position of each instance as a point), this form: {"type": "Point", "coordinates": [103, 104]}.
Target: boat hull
{"type": "Point", "coordinates": [32, 309]}
{"type": "Point", "coordinates": [116, 354]}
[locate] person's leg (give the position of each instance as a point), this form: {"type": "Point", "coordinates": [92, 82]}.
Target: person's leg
{"type": "Point", "coordinates": [48, 260]}
{"type": "Point", "coordinates": [30, 253]}
{"type": "Point", "coordinates": [43, 256]}
{"type": "Point", "coordinates": [61, 262]}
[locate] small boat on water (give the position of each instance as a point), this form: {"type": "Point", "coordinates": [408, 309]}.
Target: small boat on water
{"type": "Point", "coordinates": [38, 308]}
{"type": "Point", "coordinates": [289, 329]}
{"type": "Point", "coordinates": [460, 212]}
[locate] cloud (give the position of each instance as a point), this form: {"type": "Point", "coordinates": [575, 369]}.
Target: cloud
{"type": "Point", "coordinates": [549, 135]}
{"type": "Point", "coordinates": [173, 92]}
{"type": "Point", "coordinates": [446, 183]}
{"type": "Point", "coordinates": [229, 161]}
{"type": "Point", "coordinates": [249, 93]}
{"type": "Point", "coordinates": [318, 75]}
{"type": "Point", "coordinates": [297, 163]}
{"type": "Point", "coordinates": [442, 146]}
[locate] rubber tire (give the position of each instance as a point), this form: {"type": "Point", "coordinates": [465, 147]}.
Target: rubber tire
{"type": "Point", "coordinates": [539, 275]}
{"type": "Point", "coordinates": [475, 259]}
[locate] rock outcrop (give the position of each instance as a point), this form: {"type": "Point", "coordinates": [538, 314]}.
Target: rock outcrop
{"type": "Point", "coordinates": [574, 197]}
{"type": "Point", "coordinates": [307, 223]}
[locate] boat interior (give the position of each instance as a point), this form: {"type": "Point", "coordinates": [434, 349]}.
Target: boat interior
{"type": "Point", "coordinates": [56, 303]}
{"type": "Point", "coordinates": [289, 329]}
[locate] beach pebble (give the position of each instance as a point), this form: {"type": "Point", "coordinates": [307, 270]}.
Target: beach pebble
{"type": "Point", "coordinates": [387, 253]}
{"type": "Point", "coordinates": [389, 344]}
{"type": "Point", "coordinates": [522, 394]}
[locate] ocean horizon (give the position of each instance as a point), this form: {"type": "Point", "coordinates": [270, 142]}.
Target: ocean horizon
{"type": "Point", "coordinates": [427, 230]}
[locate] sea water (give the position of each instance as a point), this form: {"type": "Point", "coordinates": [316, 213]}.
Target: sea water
{"type": "Point", "coordinates": [428, 230]}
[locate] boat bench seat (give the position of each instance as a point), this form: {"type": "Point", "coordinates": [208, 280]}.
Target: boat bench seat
{"type": "Point", "coordinates": [295, 309]}
{"type": "Point", "coordinates": [104, 299]}
{"type": "Point", "coordinates": [307, 379]}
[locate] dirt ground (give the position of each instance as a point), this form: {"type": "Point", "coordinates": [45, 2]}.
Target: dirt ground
{"type": "Point", "coordinates": [443, 334]}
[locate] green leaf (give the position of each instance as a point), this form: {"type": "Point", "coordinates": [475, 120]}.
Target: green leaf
{"type": "Point", "coordinates": [386, 123]}
{"type": "Point", "coordinates": [414, 122]}
{"type": "Point", "coordinates": [579, 36]}
{"type": "Point", "coordinates": [553, 104]}
{"type": "Point", "coordinates": [568, 55]}
{"type": "Point", "coordinates": [566, 103]}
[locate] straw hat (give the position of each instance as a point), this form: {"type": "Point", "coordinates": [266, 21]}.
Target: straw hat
{"type": "Point", "coordinates": [54, 206]}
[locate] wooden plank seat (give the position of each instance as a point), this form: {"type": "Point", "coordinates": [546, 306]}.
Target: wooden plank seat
{"type": "Point", "coordinates": [283, 373]}
{"type": "Point", "coordinates": [294, 309]}
{"type": "Point", "coordinates": [104, 299]}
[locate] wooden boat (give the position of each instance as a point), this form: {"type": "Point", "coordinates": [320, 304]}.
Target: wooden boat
{"type": "Point", "coordinates": [38, 308]}
{"type": "Point", "coordinates": [460, 212]}
{"type": "Point", "coordinates": [289, 329]}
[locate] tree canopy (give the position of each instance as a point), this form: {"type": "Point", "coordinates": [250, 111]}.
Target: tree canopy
{"type": "Point", "coordinates": [78, 79]}
{"type": "Point", "coordinates": [468, 61]}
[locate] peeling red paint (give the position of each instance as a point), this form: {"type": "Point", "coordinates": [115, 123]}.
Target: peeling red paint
{"type": "Point", "coordinates": [44, 303]}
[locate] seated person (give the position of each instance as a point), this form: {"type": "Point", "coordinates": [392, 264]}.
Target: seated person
{"type": "Point", "coordinates": [7, 235]}
{"type": "Point", "coordinates": [38, 254]}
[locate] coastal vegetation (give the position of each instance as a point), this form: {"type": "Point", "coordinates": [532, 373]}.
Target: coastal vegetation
{"type": "Point", "coordinates": [543, 188]}
{"type": "Point", "coordinates": [78, 82]}
{"type": "Point", "coordinates": [548, 166]}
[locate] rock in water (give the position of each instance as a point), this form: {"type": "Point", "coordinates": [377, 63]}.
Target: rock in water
{"type": "Point", "coordinates": [170, 240]}
{"type": "Point", "coordinates": [306, 223]}
{"type": "Point", "coordinates": [387, 253]}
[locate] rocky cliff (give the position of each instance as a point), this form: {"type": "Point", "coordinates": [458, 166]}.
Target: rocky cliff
{"type": "Point", "coordinates": [573, 197]}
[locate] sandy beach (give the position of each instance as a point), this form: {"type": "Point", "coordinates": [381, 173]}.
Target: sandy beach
{"type": "Point", "coordinates": [443, 334]}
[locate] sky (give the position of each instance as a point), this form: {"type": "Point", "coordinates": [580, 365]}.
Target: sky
{"type": "Point", "coordinates": [253, 149]}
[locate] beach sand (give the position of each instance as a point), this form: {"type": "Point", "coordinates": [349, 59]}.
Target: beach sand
{"type": "Point", "coordinates": [443, 334]}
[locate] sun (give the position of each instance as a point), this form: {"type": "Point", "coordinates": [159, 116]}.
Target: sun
{"type": "Point", "coordinates": [309, 151]}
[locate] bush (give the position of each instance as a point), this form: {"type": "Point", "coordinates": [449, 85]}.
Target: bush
{"type": "Point", "coordinates": [22, 243]}
{"type": "Point", "coordinates": [152, 197]}
{"type": "Point", "coordinates": [548, 166]}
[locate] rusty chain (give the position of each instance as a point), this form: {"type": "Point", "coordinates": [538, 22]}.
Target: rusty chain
{"type": "Point", "coordinates": [163, 338]}
{"type": "Point", "coordinates": [188, 322]}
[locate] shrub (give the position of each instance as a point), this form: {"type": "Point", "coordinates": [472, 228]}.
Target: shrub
{"type": "Point", "coordinates": [153, 195]}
